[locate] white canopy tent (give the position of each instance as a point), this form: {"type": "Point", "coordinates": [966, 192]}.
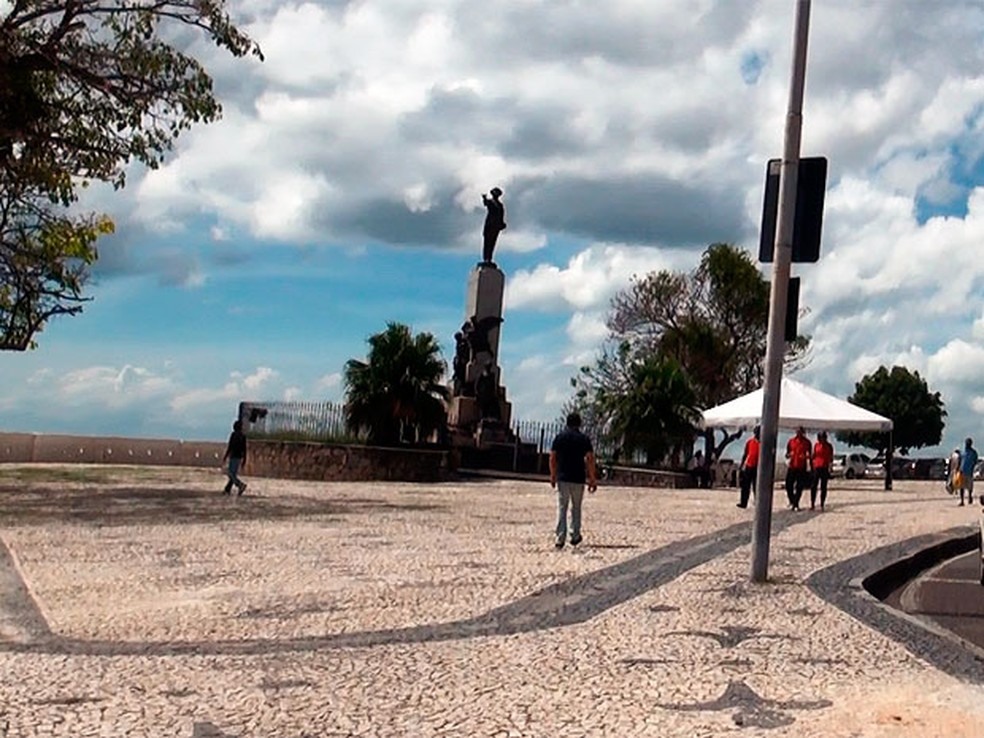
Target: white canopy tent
{"type": "Point", "coordinates": [799, 405]}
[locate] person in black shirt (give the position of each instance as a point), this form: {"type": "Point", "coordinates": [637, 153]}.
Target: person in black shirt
{"type": "Point", "coordinates": [572, 463]}
{"type": "Point", "coordinates": [235, 454]}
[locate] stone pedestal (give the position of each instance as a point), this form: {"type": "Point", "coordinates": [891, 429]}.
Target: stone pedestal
{"type": "Point", "coordinates": [483, 299]}
{"type": "Point", "coordinates": [486, 285]}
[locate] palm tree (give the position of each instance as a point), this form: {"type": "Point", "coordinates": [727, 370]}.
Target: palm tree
{"type": "Point", "coordinates": [655, 413]}
{"type": "Point", "coordinates": [396, 395]}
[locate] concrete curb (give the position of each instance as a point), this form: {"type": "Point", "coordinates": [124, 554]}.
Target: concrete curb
{"type": "Point", "coordinates": [857, 585]}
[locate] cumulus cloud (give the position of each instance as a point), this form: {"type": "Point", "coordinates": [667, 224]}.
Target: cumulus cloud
{"type": "Point", "coordinates": [590, 279]}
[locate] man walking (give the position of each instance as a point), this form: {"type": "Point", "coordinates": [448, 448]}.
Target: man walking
{"type": "Point", "coordinates": [235, 454]}
{"type": "Point", "coordinates": [823, 457]}
{"type": "Point", "coordinates": [798, 455]}
{"type": "Point", "coordinates": [968, 460]}
{"type": "Point", "coordinates": [572, 463]}
{"type": "Point", "coordinates": [748, 468]}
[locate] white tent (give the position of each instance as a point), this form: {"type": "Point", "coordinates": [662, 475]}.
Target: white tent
{"type": "Point", "coordinates": [798, 405]}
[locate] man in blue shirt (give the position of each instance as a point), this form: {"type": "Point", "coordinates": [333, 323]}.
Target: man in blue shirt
{"type": "Point", "coordinates": [968, 461]}
{"type": "Point", "coordinates": [572, 463]}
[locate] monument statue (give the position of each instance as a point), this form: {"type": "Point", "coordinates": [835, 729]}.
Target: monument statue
{"type": "Point", "coordinates": [487, 393]}
{"type": "Point", "coordinates": [476, 332]}
{"type": "Point", "coordinates": [460, 364]}
{"type": "Point", "coordinates": [495, 221]}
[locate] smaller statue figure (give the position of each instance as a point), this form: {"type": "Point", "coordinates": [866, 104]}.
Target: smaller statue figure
{"type": "Point", "coordinates": [495, 221]}
{"type": "Point", "coordinates": [487, 393]}
{"type": "Point", "coordinates": [477, 334]}
{"type": "Point", "coordinates": [460, 363]}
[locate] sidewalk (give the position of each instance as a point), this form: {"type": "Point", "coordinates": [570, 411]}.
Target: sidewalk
{"type": "Point", "coordinates": [139, 602]}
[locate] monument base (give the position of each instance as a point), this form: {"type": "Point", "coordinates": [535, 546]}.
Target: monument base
{"type": "Point", "coordinates": [466, 422]}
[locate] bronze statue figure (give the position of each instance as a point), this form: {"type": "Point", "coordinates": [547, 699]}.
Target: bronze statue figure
{"type": "Point", "coordinates": [487, 393]}
{"type": "Point", "coordinates": [495, 221]}
{"type": "Point", "coordinates": [461, 355]}
{"type": "Point", "coordinates": [476, 332]}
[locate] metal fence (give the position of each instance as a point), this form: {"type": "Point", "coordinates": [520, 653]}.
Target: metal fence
{"type": "Point", "coordinates": [320, 421]}
{"type": "Point", "coordinates": [324, 421]}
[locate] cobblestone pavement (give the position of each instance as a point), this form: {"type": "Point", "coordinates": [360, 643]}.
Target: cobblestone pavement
{"type": "Point", "coordinates": [140, 602]}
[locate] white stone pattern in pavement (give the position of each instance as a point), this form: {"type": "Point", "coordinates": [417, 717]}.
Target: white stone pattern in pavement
{"type": "Point", "coordinates": [313, 609]}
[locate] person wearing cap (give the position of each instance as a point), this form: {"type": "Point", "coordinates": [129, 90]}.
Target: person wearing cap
{"type": "Point", "coordinates": [495, 221]}
{"type": "Point", "coordinates": [823, 457]}
{"type": "Point", "coordinates": [799, 452]}
{"type": "Point", "coordinates": [748, 468]}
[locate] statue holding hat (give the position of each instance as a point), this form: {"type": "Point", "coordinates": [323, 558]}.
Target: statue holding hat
{"type": "Point", "coordinates": [495, 221]}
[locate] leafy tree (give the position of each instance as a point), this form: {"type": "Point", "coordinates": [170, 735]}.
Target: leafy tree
{"type": "Point", "coordinates": [904, 397]}
{"type": "Point", "coordinates": [86, 87]}
{"type": "Point", "coordinates": [44, 260]}
{"type": "Point", "coordinates": [397, 394]}
{"type": "Point", "coordinates": [712, 322]}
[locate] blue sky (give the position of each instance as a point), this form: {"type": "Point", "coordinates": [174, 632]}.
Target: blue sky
{"type": "Point", "coordinates": [341, 190]}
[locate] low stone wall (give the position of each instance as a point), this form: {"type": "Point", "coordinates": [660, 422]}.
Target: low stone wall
{"type": "Point", "coordinates": [277, 459]}
{"type": "Point", "coordinates": [627, 476]}
{"type": "Point", "coordinates": [43, 448]}
{"type": "Point", "coordinates": [330, 462]}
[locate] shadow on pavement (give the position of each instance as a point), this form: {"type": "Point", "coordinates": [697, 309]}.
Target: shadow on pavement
{"type": "Point", "coordinates": [172, 506]}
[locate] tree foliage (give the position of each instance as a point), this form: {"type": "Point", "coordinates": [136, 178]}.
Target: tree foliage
{"type": "Point", "coordinates": [86, 87]}
{"type": "Point", "coordinates": [397, 394]}
{"type": "Point", "coordinates": [711, 323]}
{"type": "Point", "coordinates": [904, 397]}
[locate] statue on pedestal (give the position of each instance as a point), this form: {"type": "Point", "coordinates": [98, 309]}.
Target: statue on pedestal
{"type": "Point", "coordinates": [462, 353]}
{"type": "Point", "coordinates": [476, 333]}
{"type": "Point", "coordinates": [495, 221]}
{"type": "Point", "coordinates": [487, 393]}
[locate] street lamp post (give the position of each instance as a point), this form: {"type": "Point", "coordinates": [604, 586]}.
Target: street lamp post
{"type": "Point", "coordinates": [782, 258]}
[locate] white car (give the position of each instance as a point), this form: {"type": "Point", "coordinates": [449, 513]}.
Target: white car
{"type": "Point", "coordinates": [849, 466]}
{"type": "Point", "coordinates": [875, 468]}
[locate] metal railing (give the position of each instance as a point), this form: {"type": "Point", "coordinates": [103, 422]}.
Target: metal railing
{"type": "Point", "coordinates": [325, 421]}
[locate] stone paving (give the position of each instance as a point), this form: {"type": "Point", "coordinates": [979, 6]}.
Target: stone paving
{"type": "Point", "coordinates": [139, 602]}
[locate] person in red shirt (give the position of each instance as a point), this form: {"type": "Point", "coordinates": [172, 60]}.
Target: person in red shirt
{"type": "Point", "coordinates": [823, 457]}
{"type": "Point", "coordinates": [799, 452]}
{"type": "Point", "coordinates": [748, 468]}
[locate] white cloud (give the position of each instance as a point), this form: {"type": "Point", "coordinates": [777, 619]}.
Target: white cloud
{"type": "Point", "coordinates": [958, 362]}
{"type": "Point", "coordinates": [589, 280]}
{"type": "Point", "coordinates": [328, 384]}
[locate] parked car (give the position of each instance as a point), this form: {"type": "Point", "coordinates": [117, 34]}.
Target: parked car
{"type": "Point", "coordinates": [933, 468]}
{"type": "Point", "coordinates": [875, 469]}
{"type": "Point", "coordinates": [849, 466]}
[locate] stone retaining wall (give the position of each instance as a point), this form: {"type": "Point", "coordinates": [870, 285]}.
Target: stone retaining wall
{"type": "Point", "coordinates": [634, 477]}
{"type": "Point", "coordinates": [277, 459]}
{"type": "Point", "coordinates": [46, 448]}
{"type": "Point", "coordinates": [330, 462]}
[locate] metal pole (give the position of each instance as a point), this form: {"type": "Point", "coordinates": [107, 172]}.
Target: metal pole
{"type": "Point", "coordinates": [888, 460]}
{"type": "Point", "coordinates": [782, 257]}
